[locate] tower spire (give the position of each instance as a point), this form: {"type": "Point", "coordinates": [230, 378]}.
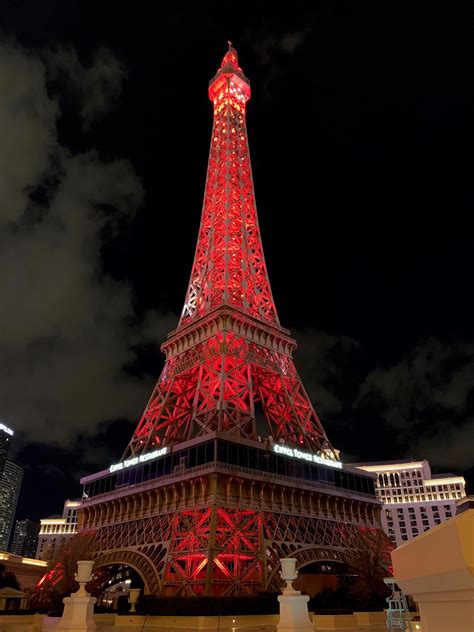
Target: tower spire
{"type": "Point", "coordinates": [229, 364]}
{"type": "Point", "coordinates": [230, 58]}
{"type": "Point", "coordinates": [229, 267]}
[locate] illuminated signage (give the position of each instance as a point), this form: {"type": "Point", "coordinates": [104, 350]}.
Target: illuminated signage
{"type": "Point", "coordinates": [143, 458]}
{"type": "Point", "coordinates": [305, 456]}
{"type": "Point", "coordinates": [9, 431]}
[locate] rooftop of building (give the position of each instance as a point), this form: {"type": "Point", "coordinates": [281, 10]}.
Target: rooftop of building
{"type": "Point", "coordinates": [465, 503]}
{"type": "Point", "coordinates": [392, 462]}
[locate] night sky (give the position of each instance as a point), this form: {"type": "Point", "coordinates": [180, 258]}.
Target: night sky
{"type": "Point", "coordinates": [361, 135]}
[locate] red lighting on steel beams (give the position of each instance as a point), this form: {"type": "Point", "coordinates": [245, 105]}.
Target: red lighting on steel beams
{"type": "Point", "coordinates": [229, 368]}
{"type": "Point", "coordinates": [229, 356]}
{"type": "Point", "coordinates": [237, 537]}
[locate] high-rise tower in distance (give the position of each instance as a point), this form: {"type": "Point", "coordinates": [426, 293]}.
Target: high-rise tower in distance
{"type": "Point", "coordinates": [11, 477]}
{"type": "Point", "coordinates": [229, 467]}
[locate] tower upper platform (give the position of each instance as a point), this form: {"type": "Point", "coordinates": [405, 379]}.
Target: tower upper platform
{"type": "Point", "coordinates": [229, 72]}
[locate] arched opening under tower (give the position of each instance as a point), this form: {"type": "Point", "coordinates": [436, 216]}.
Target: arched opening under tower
{"type": "Point", "coordinates": [142, 571]}
{"type": "Point", "coordinates": [111, 585]}
{"type": "Point", "coordinates": [315, 577]}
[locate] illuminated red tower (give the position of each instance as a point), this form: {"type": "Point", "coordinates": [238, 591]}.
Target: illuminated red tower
{"type": "Point", "coordinates": [229, 467]}
{"type": "Point", "coordinates": [229, 363]}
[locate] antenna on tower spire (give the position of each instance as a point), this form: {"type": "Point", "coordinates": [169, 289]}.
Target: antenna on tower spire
{"type": "Point", "coordinates": [230, 58]}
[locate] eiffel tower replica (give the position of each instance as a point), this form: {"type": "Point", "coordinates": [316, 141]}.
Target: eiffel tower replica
{"type": "Point", "coordinates": [229, 468]}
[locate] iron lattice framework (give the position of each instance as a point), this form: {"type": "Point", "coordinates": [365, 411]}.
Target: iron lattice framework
{"type": "Point", "coordinates": [229, 363]}
{"type": "Point", "coordinates": [192, 540]}
{"type": "Point", "coordinates": [218, 528]}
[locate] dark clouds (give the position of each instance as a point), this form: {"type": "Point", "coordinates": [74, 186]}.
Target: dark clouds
{"type": "Point", "coordinates": [326, 363]}
{"type": "Point", "coordinates": [427, 401]}
{"type": "Point", "coordinates": [95, 88]}
{"type": "Point", "coordinates": [66, 328]}
{"type": "Point", "coordinates": [287, 43]}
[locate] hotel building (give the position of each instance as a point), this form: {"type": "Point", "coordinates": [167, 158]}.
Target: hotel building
{"type": "Point", "coordinates": [413, 499]}
{"type": "Point", "coordinates": [55, 531]}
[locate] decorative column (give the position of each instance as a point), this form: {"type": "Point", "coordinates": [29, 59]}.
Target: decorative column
{"type": "Point", "coordinates": [294, 615]}
{"type": "Point", "coordinates": [78, 615]}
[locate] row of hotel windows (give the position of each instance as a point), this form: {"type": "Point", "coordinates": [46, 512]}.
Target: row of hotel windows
{"type": "Point", "coordinates": [403, 516]}
{"type": "Point", "coordinates": [421, 497]}
{"type": "Point", "coordinates": [419, 490]}
{"type": "Point", "coordinates": [393, 480]}
{"type": "Point", "coordinates": [397, 479]}
{"type": "Point", "coordinates": [401, 511]}
{"type": "Point", "coordinates": [58, 528]}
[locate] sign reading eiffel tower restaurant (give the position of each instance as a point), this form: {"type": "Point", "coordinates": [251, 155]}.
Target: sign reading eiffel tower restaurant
{"type": "Point", "coordinates": [229, 468]}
